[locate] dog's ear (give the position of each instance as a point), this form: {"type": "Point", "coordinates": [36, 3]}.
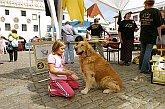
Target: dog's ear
{"type": "Point", "coordinates": [89, 52]}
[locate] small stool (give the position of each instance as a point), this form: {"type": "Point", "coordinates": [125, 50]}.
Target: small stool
{"type": "Point", "coordinates": [109, 50]}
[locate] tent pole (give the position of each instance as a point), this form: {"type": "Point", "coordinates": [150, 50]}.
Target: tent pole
{"type": "Point", "coordinates": [60, 15]}
{"type": "Point", "coordinates": [54, 18]}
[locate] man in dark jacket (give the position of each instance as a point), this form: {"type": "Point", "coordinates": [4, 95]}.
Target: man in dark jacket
{"type": "Point", "coordinates": [150, 19]}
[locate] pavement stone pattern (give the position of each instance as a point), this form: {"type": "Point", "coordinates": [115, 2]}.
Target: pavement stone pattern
{"type": "Point", "coordinates": [20, 89]}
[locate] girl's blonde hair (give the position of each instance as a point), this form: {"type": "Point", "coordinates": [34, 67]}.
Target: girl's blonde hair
{"type": "Point", "coordinates": [57, 44]}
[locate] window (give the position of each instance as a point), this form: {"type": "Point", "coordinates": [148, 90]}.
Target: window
{"type": "Point", "coordinates": [135, 18]}
{"type": "Point", "coordinates": [34, 16]}
{"type": "Point", "coordinates": [7, 27]}
{"type": "Point", "coordinates": [63, 17]}
{"type": "Point", "coordinates": [23, 13]}
{"type": "Point", "coordinates": [6, 12]}
{"type": "Point", "coordinates": [35, 28]}
{"type": "Point", "coordinates": [24, 27]}
{"type": "Point", "coordinates": [49, 28]}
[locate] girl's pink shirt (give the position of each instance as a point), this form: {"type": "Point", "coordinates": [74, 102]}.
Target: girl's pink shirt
{"type": "Point", "coordinates": [58, 62]}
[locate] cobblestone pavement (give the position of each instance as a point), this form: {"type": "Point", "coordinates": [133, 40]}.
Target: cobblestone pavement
{"type": "Point", "coordinates": [19, 89]}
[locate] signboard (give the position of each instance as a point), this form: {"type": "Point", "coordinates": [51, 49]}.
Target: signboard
{"type": "Point", "coordinates": [41, 52]}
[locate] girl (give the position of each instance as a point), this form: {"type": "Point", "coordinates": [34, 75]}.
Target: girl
{"type": "Point", "coordinates": [61, 80]}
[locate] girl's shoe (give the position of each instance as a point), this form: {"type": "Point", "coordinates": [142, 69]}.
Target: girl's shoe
{"type": "Point", "coordinates": [51, 93]}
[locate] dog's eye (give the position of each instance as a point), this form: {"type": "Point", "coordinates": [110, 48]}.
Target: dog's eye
{"type": "Point", "coordinates": [82, 45]}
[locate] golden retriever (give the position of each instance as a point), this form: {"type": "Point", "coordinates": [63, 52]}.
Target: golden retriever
{"type": "Point", "coordinates": [96, 70]}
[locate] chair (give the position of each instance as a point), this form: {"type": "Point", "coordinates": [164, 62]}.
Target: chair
{"type": "Point", "coordinates": [112, 47]}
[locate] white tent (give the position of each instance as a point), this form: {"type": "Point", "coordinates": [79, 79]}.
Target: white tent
{"type": "Point", "coordinates": [125, 5]}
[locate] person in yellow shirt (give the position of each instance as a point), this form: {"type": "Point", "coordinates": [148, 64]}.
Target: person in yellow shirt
{"type": "Point", "coordinates": [13, 41]}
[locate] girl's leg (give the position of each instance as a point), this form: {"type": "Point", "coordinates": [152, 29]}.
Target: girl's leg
{"type": "Point", "coordinates": [74, 84]}
{"type": "Point", "coordinates": [61, 88]}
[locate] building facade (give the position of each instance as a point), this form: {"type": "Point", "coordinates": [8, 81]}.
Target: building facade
{"type": "Point", "coordinates": [26, 16]}
{"type": "Point", "coordinates": [29, 18]}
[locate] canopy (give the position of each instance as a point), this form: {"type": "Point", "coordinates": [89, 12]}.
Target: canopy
{"type": "Point", "coordinates": [124, 5]}
{"type": "Point", "coordinates": [113, 5]}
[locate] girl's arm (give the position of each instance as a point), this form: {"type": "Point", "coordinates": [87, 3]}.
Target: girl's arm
{"type": "Point", "coordinates": [53, 71]}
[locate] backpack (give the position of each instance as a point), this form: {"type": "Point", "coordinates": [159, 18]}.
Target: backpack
{"type": "Point", "coordinates": [9, 47]}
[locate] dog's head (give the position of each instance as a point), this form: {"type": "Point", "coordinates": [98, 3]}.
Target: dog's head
{"type": "Point", "coordinates": [83, 48]}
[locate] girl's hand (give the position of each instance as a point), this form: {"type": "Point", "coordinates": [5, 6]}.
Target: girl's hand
{"type": "Point", "coordinates": [69, 72]}
{"type": "Point", "coordinates": [74, 76]}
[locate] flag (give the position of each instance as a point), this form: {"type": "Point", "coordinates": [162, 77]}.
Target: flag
{"type": "Point", "coordinates": [47, 8]}
{"type": "Point", "coordinates": [75, 9]}
{"type": "Point", "coordinates": [119, 18]}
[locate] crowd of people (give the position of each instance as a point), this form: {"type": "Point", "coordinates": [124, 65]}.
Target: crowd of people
{"type": "Point", "coordinates": [12, 45]}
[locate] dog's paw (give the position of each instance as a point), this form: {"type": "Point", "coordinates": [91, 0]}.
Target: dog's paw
{"type": "Point", "coordinates": [84, 91]}
{"type": "Point", "coordinates": [106, 91]}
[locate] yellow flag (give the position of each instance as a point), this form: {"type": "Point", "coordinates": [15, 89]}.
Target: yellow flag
{"type": "Point", "coordinates": [75, 9]}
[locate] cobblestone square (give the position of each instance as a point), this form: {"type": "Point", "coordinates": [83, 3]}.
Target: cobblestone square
{"type": "Point", "coordinates": [20, 89]}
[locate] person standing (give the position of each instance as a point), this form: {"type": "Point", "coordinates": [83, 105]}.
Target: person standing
{"type": "Point", "coordinates": [126, 30]}
{"type": "Point", "coordinates": [96, 30]}
{"type": "Point", "coordinates": [161, 45]}
{"type": "Point", "coordinates": [62, 81]}
{"type": "Point", "coordinates": [1, 45]}
{"type": "Point", "coordinates": [67, 33]}
{"type": "Point", "coordinates": [150, 19]}
{"type": "Point", "coordinates": [13, 39]}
